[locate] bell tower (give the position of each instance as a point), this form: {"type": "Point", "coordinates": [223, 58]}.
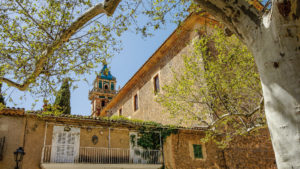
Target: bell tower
{"type": "Point", "coordinates": [103, 90]}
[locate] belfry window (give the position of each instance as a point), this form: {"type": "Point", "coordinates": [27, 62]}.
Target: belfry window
{"type": "Point", "coordinates": [106, 87]}
{"type": "Point", "coordinates": [100, 84]}
{"type": "Point", "coordinates": [112, 86]}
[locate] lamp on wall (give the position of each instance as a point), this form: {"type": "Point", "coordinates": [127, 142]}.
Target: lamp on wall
{"type": "Point", "coordinates": [19, 153]}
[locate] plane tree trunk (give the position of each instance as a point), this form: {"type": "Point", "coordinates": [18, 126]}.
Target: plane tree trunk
{"type": "Point", "coordinates": [273, 37]}
{"type": "Point", "coordinates": [277, 55]}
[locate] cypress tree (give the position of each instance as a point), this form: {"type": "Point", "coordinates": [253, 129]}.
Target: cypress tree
{"type": "Point", "coordinates": [62, 100]}
{"type": "Point", "coordinates": [2, 101]}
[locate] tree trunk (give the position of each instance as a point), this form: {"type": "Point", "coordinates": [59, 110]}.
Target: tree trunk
{"type": "Point", "coordinates": [277, 55]}
{"type": "Point", "coordinates": [273, 38]}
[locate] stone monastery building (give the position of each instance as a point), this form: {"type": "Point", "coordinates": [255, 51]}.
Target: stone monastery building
{"type": "Point", "coordinates": [97, 142]}
{"type": "Point", "coordinates": [137, 98]}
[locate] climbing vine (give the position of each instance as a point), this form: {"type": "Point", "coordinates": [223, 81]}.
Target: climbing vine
{"type": "Point", "coordinates": [151, 138]}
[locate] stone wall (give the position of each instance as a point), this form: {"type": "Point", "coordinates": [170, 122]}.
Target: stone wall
{"type": "Point", "coordinates": [253, 151]}
{"type": "Point", "coordinates": [149, 109]}
{"type": "Point", "coordinates": [34, 141]}
{"type": "Point", "coordinates": [249, 152]}
{"type": "Point", "coordinates": [182, 151]}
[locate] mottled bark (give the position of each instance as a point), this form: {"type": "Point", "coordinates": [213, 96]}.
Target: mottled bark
{"type": "Point", "coordinates": [273, 38]}
{"type": "Point", "coordinates": [277, 52]}
{"type": "Point", "coordinates": [238, 16]}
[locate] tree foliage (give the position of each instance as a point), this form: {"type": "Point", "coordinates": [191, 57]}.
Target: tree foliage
{"type": "Point", "coordinates": [218, 88]}
{"type": "Point", "coordinates": [62, 101]}
{"type": "Point", "coordinates": [43, 41]}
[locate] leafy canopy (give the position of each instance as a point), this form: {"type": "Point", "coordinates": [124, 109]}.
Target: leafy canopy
{"type": "Point", "coordinates": [31, 30]}
{"type": "Point", "coordinates": [29, 27]}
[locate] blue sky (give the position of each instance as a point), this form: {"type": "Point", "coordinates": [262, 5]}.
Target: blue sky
{"type": "Point", "coordinates": [136, 50]}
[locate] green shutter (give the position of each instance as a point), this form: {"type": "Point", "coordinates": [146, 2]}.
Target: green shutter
{"type": "Point", "coordinates": [198, 151]}
{"type": "Point", "coordinates": [100, 84]}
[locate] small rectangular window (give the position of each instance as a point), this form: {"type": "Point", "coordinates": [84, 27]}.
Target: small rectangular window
{"type": "Point", "coordinates": [156, 84]}
{"type": "Point", "coordinates": [197, 150]}
{"type": "Point", "coordinates": [135, 102]}
{"type": "Point", "coordinates": [120, 112]}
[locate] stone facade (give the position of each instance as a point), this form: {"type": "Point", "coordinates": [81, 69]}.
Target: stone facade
{"type": "Point", "coordinates": [162, 64]}
{"type": "Point", "coordinates": [148, 108]}
{"type": "Point", "coordinates": [250, 152]}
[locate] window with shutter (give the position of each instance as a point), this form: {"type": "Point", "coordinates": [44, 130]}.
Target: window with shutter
{"type": "Point", "coordinates": [198, 151]}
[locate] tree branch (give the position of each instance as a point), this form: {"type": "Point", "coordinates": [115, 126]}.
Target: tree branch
{"type": "Point", "coordinates": [256, 127]}
{"type": "Point", "coordinates": [261, 104]}
{"type": "Point", "coordinates": [224, 116]}
{"type": "Point", "coordinates": [239, 16]}
{"type": "Point", "coordinates": [199, 118]}
{"type": "Point", "coordinates": [107, 7]}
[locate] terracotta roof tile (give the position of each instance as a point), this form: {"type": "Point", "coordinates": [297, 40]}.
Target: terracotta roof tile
{"type": "Point", "coordinates": [12, 111]}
